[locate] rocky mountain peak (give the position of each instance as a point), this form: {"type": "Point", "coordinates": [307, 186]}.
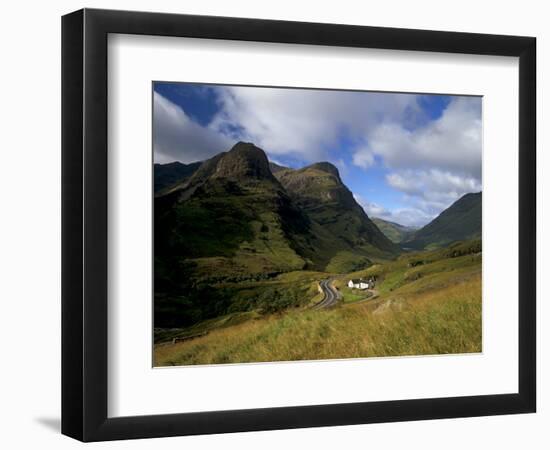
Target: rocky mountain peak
{"type": "Point", "coordinates": [244, 160]}
{"type": "Point", "coordinates": [325, 166]}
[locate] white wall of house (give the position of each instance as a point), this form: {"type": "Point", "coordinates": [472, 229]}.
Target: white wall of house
{"type": "Point", "coordinates": [360, 285]}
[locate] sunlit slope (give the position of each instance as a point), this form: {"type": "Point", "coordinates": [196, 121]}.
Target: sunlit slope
{"type": "Point", "coordinates": [426, 303]}
{"type": "Point", "coordinates": [462, 220]}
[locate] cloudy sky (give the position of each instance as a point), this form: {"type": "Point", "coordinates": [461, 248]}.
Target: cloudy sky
{"type": "Point", "coordinates": [405, 157]}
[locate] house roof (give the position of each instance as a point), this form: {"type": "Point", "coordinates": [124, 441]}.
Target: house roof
{"type": "Point", "coordinates": [356, 280]}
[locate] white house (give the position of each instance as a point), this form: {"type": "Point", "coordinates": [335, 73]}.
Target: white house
{"type": "Point", "coordinates": [358, 284]}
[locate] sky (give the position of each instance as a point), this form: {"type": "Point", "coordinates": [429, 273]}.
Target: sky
{"type": "Point", "coordinates": [405, 157]}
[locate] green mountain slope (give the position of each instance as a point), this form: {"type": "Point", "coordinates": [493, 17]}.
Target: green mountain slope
{"type": "Point", "coordinates": [393, 231]}
{"type": "Point", "coordinates": [232, 217]}
{"type": "Point", "coordinates": [461, 221]}
{"type": "Point", "coordinates": [169, 174]}
{"type": "Point", "coordinates": [320, 193]}
{"type": "Point", "coordinates": [233, 225]}
{"type": "Point", "coordinates": [230, 222]}
{"type": "Point", "coordinates": [235, 212]}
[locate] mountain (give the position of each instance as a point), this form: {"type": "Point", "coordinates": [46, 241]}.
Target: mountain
{"type": "Point", "coordinates": [461, 221]}
{"type": "Point", "coordinates": [231, 218]}
{"type": "Point", "coordinates": [234, 224]}
{"type": "Point", "coordinates": [166, 175]}
{"type": "Point", "coordinates": [234, 218]}
{"type": "Point", "coordinates": [276, 167]}
{"type": "Point", "coordinates": [319, 191]}
{"type": "Point", "coordinates": [394, 232]}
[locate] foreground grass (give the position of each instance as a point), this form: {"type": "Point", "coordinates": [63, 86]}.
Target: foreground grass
{"type": "Point", "coordinates": [300, 284]}
{"type": "Point", "coordinates": [439, 321]}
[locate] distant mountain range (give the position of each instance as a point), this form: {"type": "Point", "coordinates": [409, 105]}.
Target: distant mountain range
{"type": "Point", "coordinates": [394, 232]}
{"type": "Point", "coordinates": [460, 221]}
{"type": "Point", "coordinates": [238, 215]}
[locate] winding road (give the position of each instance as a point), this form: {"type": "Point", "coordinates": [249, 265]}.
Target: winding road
{"type": "Point", "coordinates": [331, 295]}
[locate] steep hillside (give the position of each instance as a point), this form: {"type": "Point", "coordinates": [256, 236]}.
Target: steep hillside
{"type": "Point", "coordinates": [169, 174]}
{"type": "Point", "coordinates": [231, 217]}
{"type": "Point", "coordinates": [320, 193]}
{"type": "Point", "coordinates": [276, 167]}
{"type": "Point", "coordinates": [393, 231]}
{"type": "Point", "coordinates": [233, 226]}
{"type": "Point", "coordinates": [461, 221]}
{"type": "Point", "coordinates": [231, 221]}
{"type": "Point", "coordinates": [233, 207]}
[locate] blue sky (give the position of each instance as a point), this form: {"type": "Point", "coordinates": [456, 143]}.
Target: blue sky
{"type": "Point", "coordinates": [406, 157]}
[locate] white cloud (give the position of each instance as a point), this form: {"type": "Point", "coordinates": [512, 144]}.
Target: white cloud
{"type": "Point", "coordinates": [305, 123]}
{"type": "Point", "coordinates": [427, 193]}
{"type": "Point", "coordinates": [363, 158]}
{"type": "Point", "coordinates": [433, 165]}
{"type": "Point", "coordinates": [433, 189]}
{"type": "Point", "coordinates": [177, 137]}
{"type": "Point", "coordinates": [432, 162]}
{"type": "Point", "coordinates": [372, 209]}
{"type": "Point", "coordinates": [413, 217]}
{"type": "Point", "coordinates": [451, 143]}
{"type": "Point", "coordinates": [342, 167]}
{"type": "Point", "coordinates": [410, 216]}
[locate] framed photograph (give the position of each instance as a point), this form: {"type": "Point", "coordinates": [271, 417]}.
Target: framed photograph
{"type": "Point", "coordinates": [273, 224]}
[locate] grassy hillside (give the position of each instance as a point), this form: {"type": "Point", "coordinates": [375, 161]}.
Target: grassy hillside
{"type": "Point", "coordinates": [233, 222]}
{"type": "Point", "coordinates": [200, 306]}
{"type": "Point", "coordinates": [461, 221]}
{"type": "Point", "coordinates": [241, 246]}
{"type": "Point", "coordinates": [215, 238]}
{"type": "Point", "coordinates": [425, 303]}
{"type": "Point", "coordinates": [444, 321]}
{"type": "Point", "coordinates": [320, 193]}
{"type": "Point", "coordinates": [393, 231]}
{"type": "Point", "coordinates": [420, 271]}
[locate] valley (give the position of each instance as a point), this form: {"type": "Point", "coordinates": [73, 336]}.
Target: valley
{"type": "Point", "coordinates": [253, 260]}
{"type": "Point", "coordinates": [431, 308]}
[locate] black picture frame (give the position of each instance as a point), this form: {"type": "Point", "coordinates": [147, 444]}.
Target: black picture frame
{"type": "Point", "coordinates": [84, 224]}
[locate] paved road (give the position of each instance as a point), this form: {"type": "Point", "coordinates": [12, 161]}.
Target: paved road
{"type": "Point", "coordinates": [331, 295]}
